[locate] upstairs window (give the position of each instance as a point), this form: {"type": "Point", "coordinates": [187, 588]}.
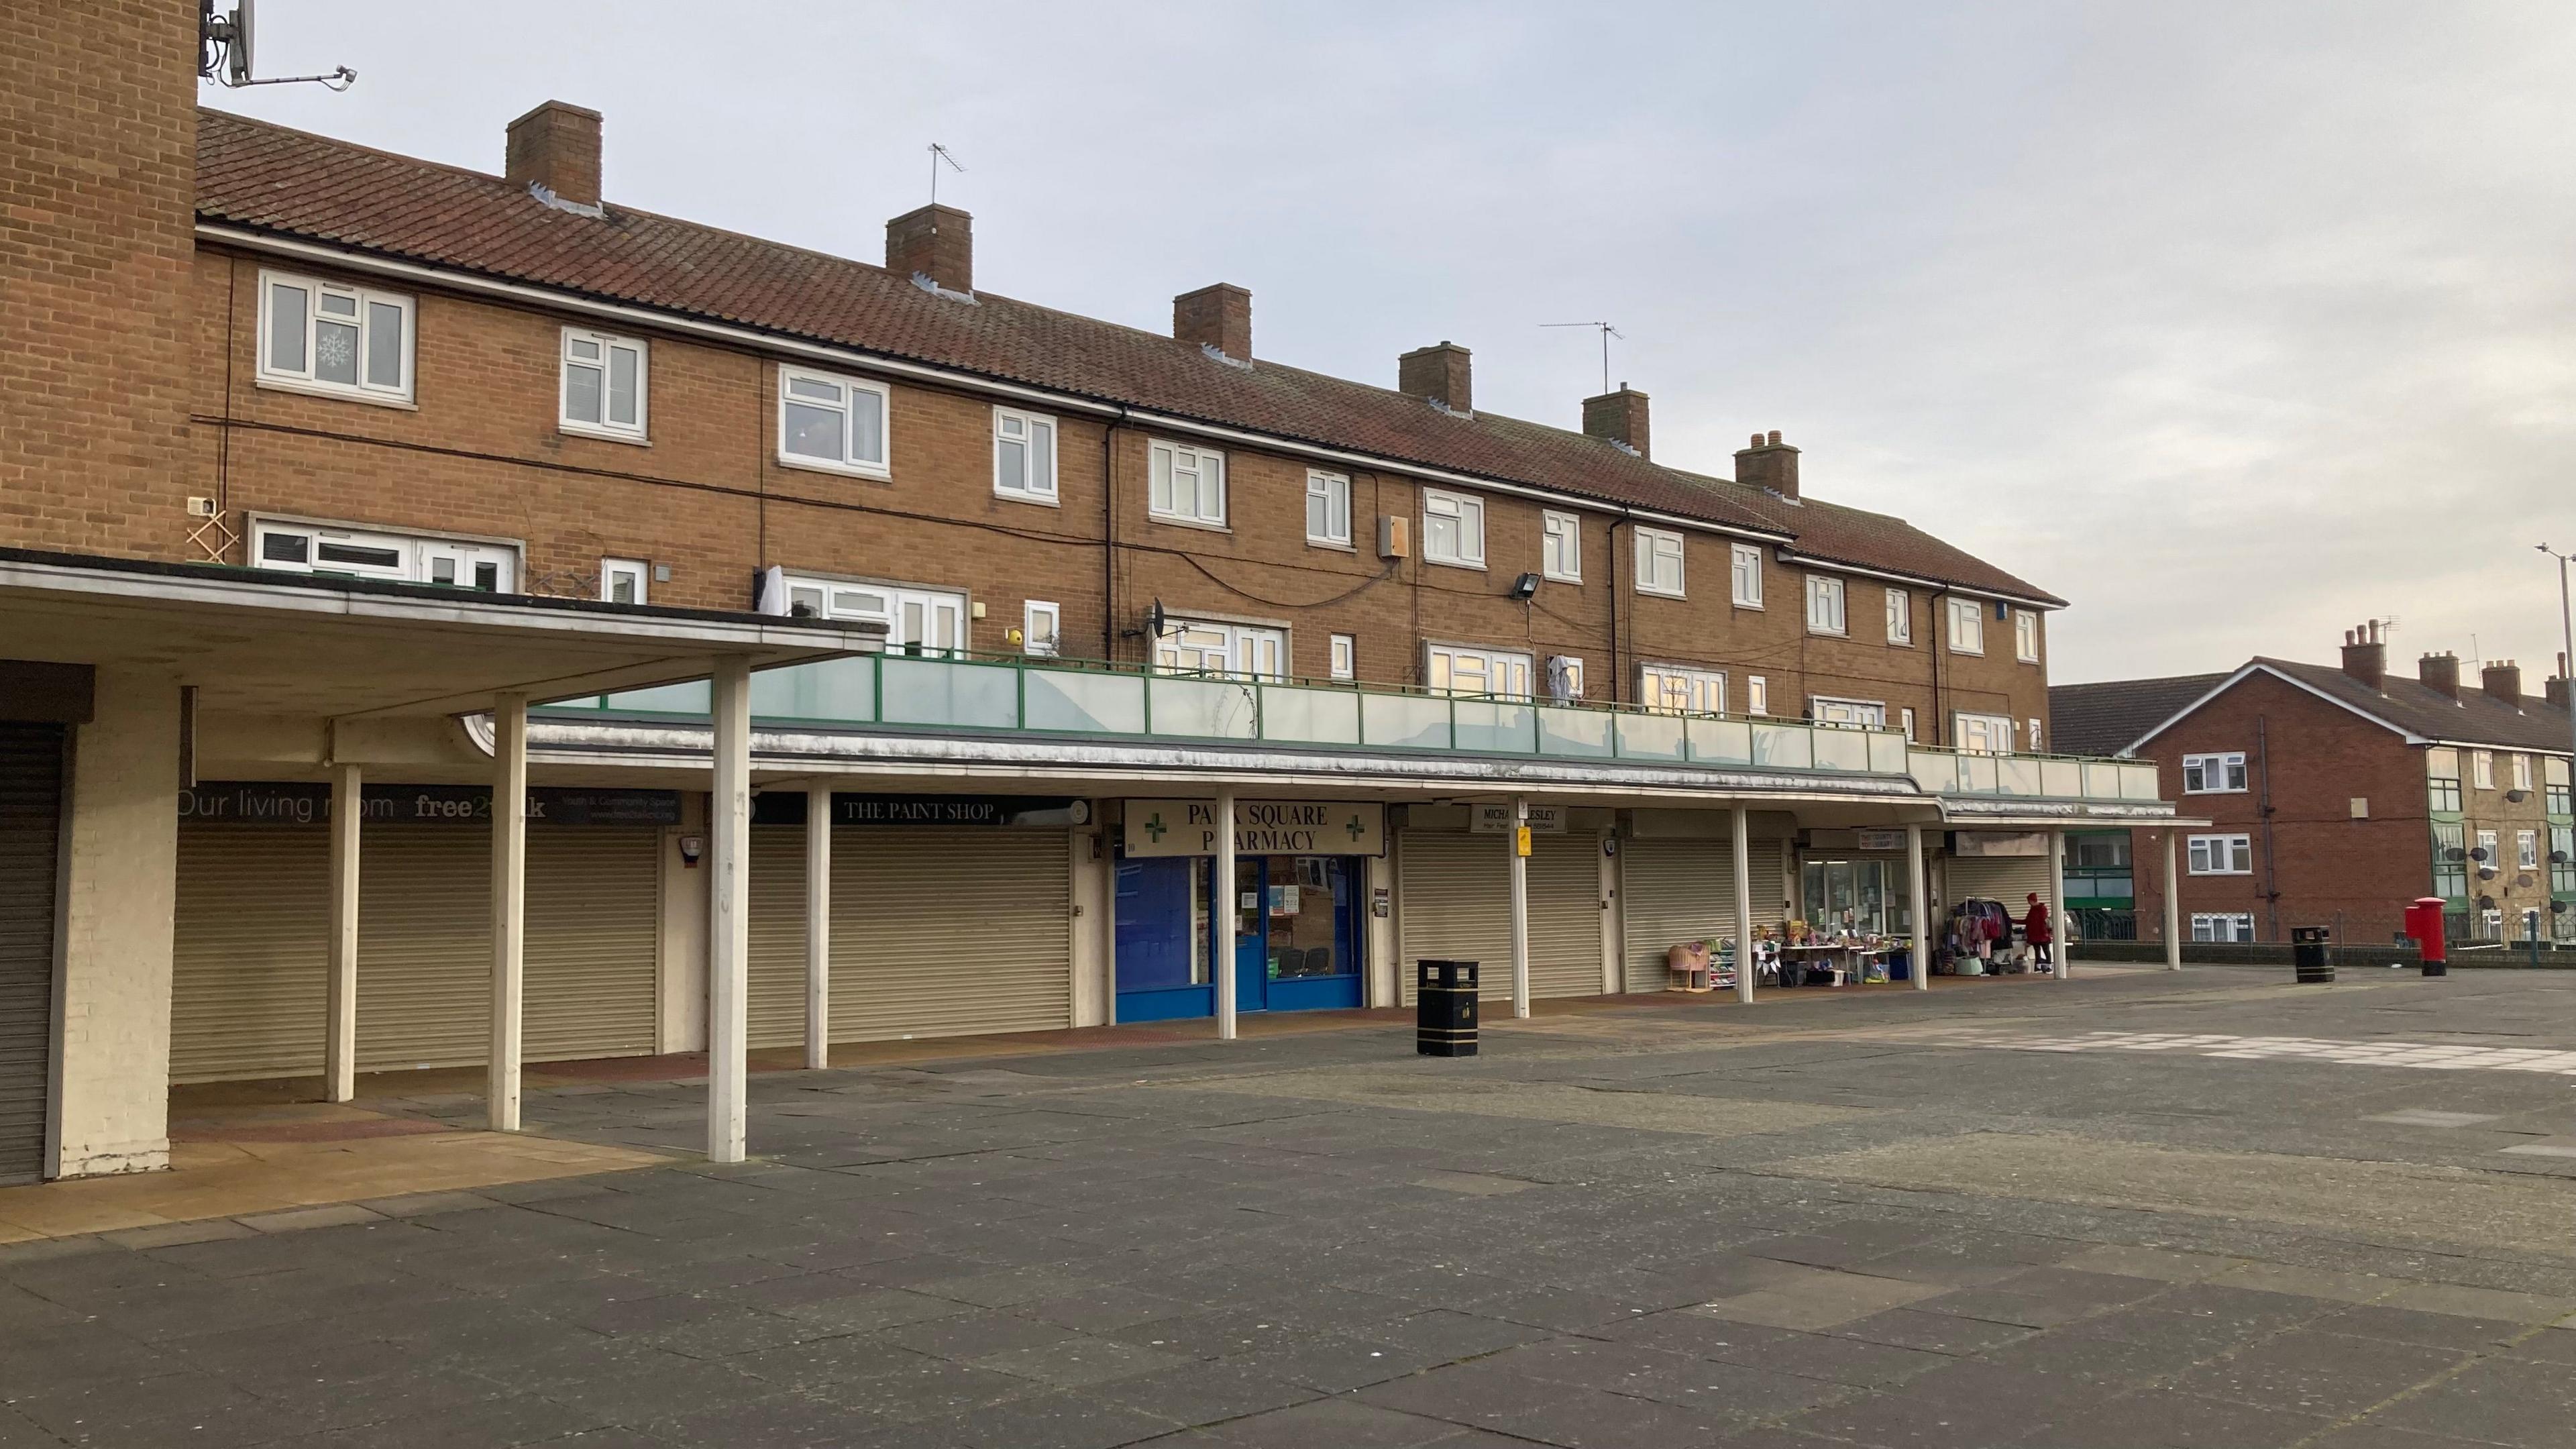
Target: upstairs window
{"type": "Point", "coordinates": [1453, 530]}
{"type": "Point", "coordinates": [1757, 695]}
{"type": "Point", "coordinates": [1041, 628]}
{"type": "Point", "coordinates": [2442, 776]}
{"type": "Point", "coordinates": [2522, 773]}
{"type": "Point", "coordinates": [2026, 636]}
{"type": "Point", "coordinates": [314, 548]}
{"type": "Point", "coordinates": [1659, 562]}
{"type": "Point", "coordinates": [1746, 561]}
{"type": "Point", "coordinates": [835, 423]}
{"type": "Point", "coordinates": [1824, 605]}
{"type": "Point", "coordinates": [2450, 859]}
{"type": "Point", "coordinates": [1848, 714]}
{"type": "Point", "coordinates": [1967, 627]}
{"type": "Point", "coordinates": [1187, 486]}
{"type": "Point", "coordinates": [1561, 549]}
{"type": "Point", "coordinates": [1983, 734]}
{"type": "Point", "coordinates": [1024, 455]}
{"type": "Point", "coordinates": [931, 622]}
{"type": "Point", "coordinates": [2213, 774]}
{"type": "Point", "coordinates": [317, 336]}
{"type": "Point", "coordinates": [1328, 509]}
{"type": "Point", "coordinates": [622, 580]}
{"type": "Point", "coordinates": [1900, 617]}
{"type": "Point", "coordinates": [2482, 769]}
{"type": "Point", "coordinates": [1678, 689]}
{"type": "Point", "coordinates": [603, 385]}
{"type": "Point", "coordinates": [1502, 673]}
{"type": "Point", "coordinates": [1344, 660]}
{"type": "Point", "coordinates": [2222, 855]}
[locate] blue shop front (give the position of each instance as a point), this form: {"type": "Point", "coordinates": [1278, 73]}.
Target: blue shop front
{"type": "Point", "coordinates": [1299, 896]}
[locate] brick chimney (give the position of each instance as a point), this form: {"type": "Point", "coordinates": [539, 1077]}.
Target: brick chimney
{"type": "Point", "coordinates": [2440, 673]}
{"type": "Point", "coordinates": [1619, 416]}
{"type": "Point", "coordinates": [935, 241]}
{"type": "Point", "coordinates": [2502, 681]}
{"type": "Point", "coordinates": [556, 146]}
{"type": "Point", "coordinates": [2555, 687]}
{"type": "Point", "coordinates": [2365, 655]}
{"type": "Point", "coordinates": [1769, 463]}
{"type": "Point", "coordinates": [1438, 373]}
{"type": "Point", "coordinates": [1218, 317]}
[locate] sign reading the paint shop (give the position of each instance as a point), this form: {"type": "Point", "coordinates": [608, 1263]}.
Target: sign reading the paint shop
{"type": "Point", "coordinates": [787, 807]}
{"type": "Point", "coordinates": [1261, 827]}
{"type": "Point", "coordinates": [288, 803]}
{"type": "Point", "coordinates": [1495, 818]}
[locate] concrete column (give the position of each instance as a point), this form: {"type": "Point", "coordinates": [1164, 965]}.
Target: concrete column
{"type": "Point", "coordinates": [1743, 853]}
{"type": "Point", "coordinates": [1224, 915]}
{"type": "Point", "coordinates": [2173, 906]}
{"type": "Point", "coordinates": [729, 914]}
{"type": "Point", "coordinates": [1919, 943]}
{"type": "Point", "coordinates": [2057, 901]}
{"type": "Point", "coordinates": [818, 928]}
{"type": "Point", "coordinates": [340, 993]}
{"type": "Point", "coordinates": [509, 906]}
{"type": "Point", "coordinates": [1385, 972]}
{"type": "Point", "coordinates": [1520, 906]}
{"type": "Point", "coordinates": [683, 951]}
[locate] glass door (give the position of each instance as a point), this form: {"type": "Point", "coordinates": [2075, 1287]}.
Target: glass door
{"type": "Point", "coordinates": [1251, 934]}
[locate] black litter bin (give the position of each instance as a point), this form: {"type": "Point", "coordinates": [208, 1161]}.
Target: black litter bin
{"type": "Point", "coordinates": [1445, 1008]}
{"type": "Point", "coordinates": [2308, 951]}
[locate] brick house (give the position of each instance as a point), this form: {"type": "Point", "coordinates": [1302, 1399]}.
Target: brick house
{"type": "Point", "coordinates": [2337, 794]}
{"type": "Point", "coordinates": [1105, 674]}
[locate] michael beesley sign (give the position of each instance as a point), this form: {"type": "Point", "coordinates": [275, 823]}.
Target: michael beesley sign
{"type": "Point", "coordinates": [1261, 827]}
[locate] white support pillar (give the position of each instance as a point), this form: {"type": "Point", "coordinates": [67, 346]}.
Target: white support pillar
{"type": "Point", "coordinates": [729, 914]}
{"type": "Point", "coordinates": [2173, 907]}
{"type": "Point", "coordinates": [1918, 944]}
{"type": "Point", "coordinates": [1742, 854]}
{"type": "Point", "coordinates": [818, 928]}
{"type": "Point", "coordinates": [1227, 905]}
{"type": "Point", "coordinates": [1520, 906]}
{"type": "Point", "coordinates": [340, 994]}
{"type": "Point", "coordinates": [509, 905]}
{"type": "Point", "coordinates": [2059, 926]}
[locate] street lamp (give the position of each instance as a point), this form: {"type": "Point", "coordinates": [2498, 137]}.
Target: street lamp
{"type": "Point", "coordinates": [2567, 632]}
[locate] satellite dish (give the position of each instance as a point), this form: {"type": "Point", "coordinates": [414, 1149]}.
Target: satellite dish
{"type": "Point", "coordinates": [237, 46]}
{"type": "Point", "coordinates": [1155, 619]}
{"type": "Point", "coordinates": [2517, 796]}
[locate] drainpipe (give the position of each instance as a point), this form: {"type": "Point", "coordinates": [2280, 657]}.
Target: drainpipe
{"type": "Point", "coordinates": [2271, 876]}
{"type": "Point", "coordinates": [1618, 677]}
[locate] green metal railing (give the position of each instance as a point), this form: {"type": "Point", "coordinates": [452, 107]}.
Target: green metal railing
{"type": "Point", "coordinates": [1014, 695]}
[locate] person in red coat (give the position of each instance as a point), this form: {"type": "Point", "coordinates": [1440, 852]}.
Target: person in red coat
{"type": "Point", "coordinates": [2034, 929]}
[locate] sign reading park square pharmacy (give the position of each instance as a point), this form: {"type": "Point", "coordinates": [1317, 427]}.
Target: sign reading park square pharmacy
{"type": "Point", "coordinates": [1261, 827]}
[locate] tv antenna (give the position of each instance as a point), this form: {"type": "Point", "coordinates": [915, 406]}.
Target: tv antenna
{"type": "Point", "coordinates": [1607, 332]}
{"type": "Point", "coordinates": [224, 52]}
{"type": "Point", "coordinates": [940, 154]}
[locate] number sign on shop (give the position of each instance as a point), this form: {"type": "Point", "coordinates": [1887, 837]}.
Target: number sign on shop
{"type": "Point", "coordinates": [1261, 827]}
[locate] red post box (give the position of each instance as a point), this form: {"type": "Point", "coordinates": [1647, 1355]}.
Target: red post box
{"type": "Point", "coordinates": [2424, 922]}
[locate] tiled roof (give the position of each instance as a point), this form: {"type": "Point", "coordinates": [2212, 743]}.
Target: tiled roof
{"type": "Point", "coordinates": [268, 178]}
{"type": "Point", "coordinates": [2106, 718]}
{"type": "Point", "coordinates": [2475, 718]}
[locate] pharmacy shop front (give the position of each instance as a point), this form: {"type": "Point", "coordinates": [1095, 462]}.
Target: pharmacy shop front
{"type": "Point", "coordinates": [1300, 897]}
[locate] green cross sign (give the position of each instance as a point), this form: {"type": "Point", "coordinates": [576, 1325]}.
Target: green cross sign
{"type": "Point", "coordinates": [1356, 829]}
{"type": "Point", "coordinates": [1155, 827]}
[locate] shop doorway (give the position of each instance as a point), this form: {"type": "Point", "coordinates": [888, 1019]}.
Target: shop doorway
{"type": "Point", "coordinates": [1297, 934]}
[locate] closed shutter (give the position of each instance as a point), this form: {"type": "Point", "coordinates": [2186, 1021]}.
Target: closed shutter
{"type": "Point", "coordinates": [934, 933]}
{"type": "Point", "coordinates": [1456, 904]}
{"type": "Point", "coordinates": [594, 939]}
{"type": "Point", "coordinates": [424, 947]}
{"type": "Point", "coordinates": [2006, 878]}
{"type": "Point", "coordinates": [31, 809]}
{"type": "Point", "coordinates": [250, 951]}
{"type": "Point", "coordinates": [1677, 890]}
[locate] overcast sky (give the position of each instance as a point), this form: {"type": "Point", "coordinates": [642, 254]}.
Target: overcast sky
{"type": "Point", "coordinates": [2234, 324]}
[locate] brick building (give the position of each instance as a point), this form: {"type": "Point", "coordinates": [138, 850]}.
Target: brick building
{"type": "Point", "coordinates": [2337, 794]}
{"type": "Point", "coordinates": [338, 461]}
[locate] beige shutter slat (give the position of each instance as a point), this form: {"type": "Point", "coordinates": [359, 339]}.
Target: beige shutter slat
{"type": "Point", "coordinates": [1674, 890]}
{"type": "Point", "coordinates": [250, 951]}
{"type": "Point", "coordinates": [594, 933]}
{"type": "Point", "coordinates": [424, 947]}
{"type": "Point", "coordinates": [2006, 878]}
{"type": "Point", "coordinates": [775, 1014]}
{"type": "Point", "coordinates": [1457, 902]}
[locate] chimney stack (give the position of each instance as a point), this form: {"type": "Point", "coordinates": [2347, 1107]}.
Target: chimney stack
{"type": "Point", "coordinates": [2555, 688]}
{"type": "Point", "coordinates": [1769, 463]}
{"type": "Point", "coordinates": [1438, 373]}
{"type": "Point", "coordinates": [2502, 682]}
{"type": "Point", "coordinates": [2365, 655]}
{"type": "Point", "coordinates": [1219, 317]}
{"type": "Point", "coordinates": [935, 242]}
{"type": "Point", "coordinates": [1620, 417]}
{"type": "Point", "coordinates": [2440, 673]}
{"type": "Point", "coordinates": [556, 146]}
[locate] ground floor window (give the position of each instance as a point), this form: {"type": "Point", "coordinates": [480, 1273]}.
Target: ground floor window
{"type": "Point", "coordinates": [1298, 929]}
{"type": "Point", "coordinates": [1868, 897]}
{"type": "Point", "coordinates": [2238, 927]}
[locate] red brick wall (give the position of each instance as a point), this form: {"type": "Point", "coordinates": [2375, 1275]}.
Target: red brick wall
{"type": "Point", "coordinates": [95, 210]}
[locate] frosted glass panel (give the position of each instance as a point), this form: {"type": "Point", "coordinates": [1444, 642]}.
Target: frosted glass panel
{"type": "Point", "coordinates": [1651, 736]}
{"type": "Point", "coordinates": [1203, 708]}
{"type": "Point", "coordinates": [1310, 716]}
{"type": "Point", "coordinates": [1583, 733]}
{"type": "Point", "coordinates": [1783, 746]}
{"type": "Point", "coordinates": [1485, 724]}
{"type": "Point", "coordinates": [1086, 703]}
{"type": "Point", "coordinates": [841, 691]}
{"type": "Point", "coordinates": [1404, 721]}
{"type": "Point", "coordinates": [939, 692]}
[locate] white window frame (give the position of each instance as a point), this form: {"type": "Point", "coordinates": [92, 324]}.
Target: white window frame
{"type": "Point", "coordinates": [2494, 854]}
{"type": "Point", "coordinates": [1041, 628]}
{"type": "Point", "coordinates": [1757, 695]}
{"type": "Point", "coordinates": [2522, 773]}
{"type": "Point", "coordinates": [1907, 715]}
{"type": "Point", "coordinates": [1333, 491]}
{"type": "Point", "coordinates": [1681, 689]}
{"type": "Point", "coordinates": [2229, 927]}
{"type": "Point", "coordinates": [847, 405]}
{"type": "Point", "coordinates": [1166, 464]}
{"type": "Point", "coordinates": [1565, 679]}
{"type": "Point", "coordinates": [1827, 605]}
{"type": "Point", "coordinates": [917, 618]}
{"type": "Point", "coordinates": [2526, 849]}
{"type": "Point", "coordinates": [1981, 734]}
{"type": "Point", "coordinates": [1218, 646]}
{"type": "Point", "coordinates": [1848, 714]}
{"type": "Point", "coordinates": [2026, 635]}
{"type": "Point", "coordinates": [363, 318]}
{"type": "Point", "coordinates": [1342, 657]}
{"type": "Point", "coordinates": [1029, 487]}
{"type": "Point", "coordinates": [1560, 549]}
{"type": "Point", "coordinates": [2231, 773]}
{"type": "Point", "coordinates": [1468, 512]}
{"type": "Point", "coordinates": [1468, 669]}
{"type": "Point", "coordinates": [1900, 618]}
{"type": "Point", "coordinates": [633, 571]}
{"type": "Point", "coordinates": [2219, 855]}
{"type": "Point", "coordinates": [1967, 626]}
{"type": "Point", "coordinates": [444, 560]}
{"type": "Point", "coordinates": [1744, 564]}
{"type": "Point", "coordinates": [608, 345]}
{"type": "Point", "coordinates": [2482, 769]}
{"type": "Point", "coordinates": [1662, 560]}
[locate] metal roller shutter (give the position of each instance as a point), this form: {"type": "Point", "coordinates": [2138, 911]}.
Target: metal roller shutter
{"type": "Point", "coordinates": [31, 808]}
{"type": "Point", "coordinates": [250, 952]}
{"type": "Point", "coordinates": [1456, 902]}
{"type": "Point", "coordinates": [934, 933]}
{"type": "Point", "coordinates": [2006, 878]}
{"type": "Point", "coordinates": [1676, 890]}
{"type": "Point", "coordinates": [424, 946]}
{"type": "Point", "coordinates": [594, 938]}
